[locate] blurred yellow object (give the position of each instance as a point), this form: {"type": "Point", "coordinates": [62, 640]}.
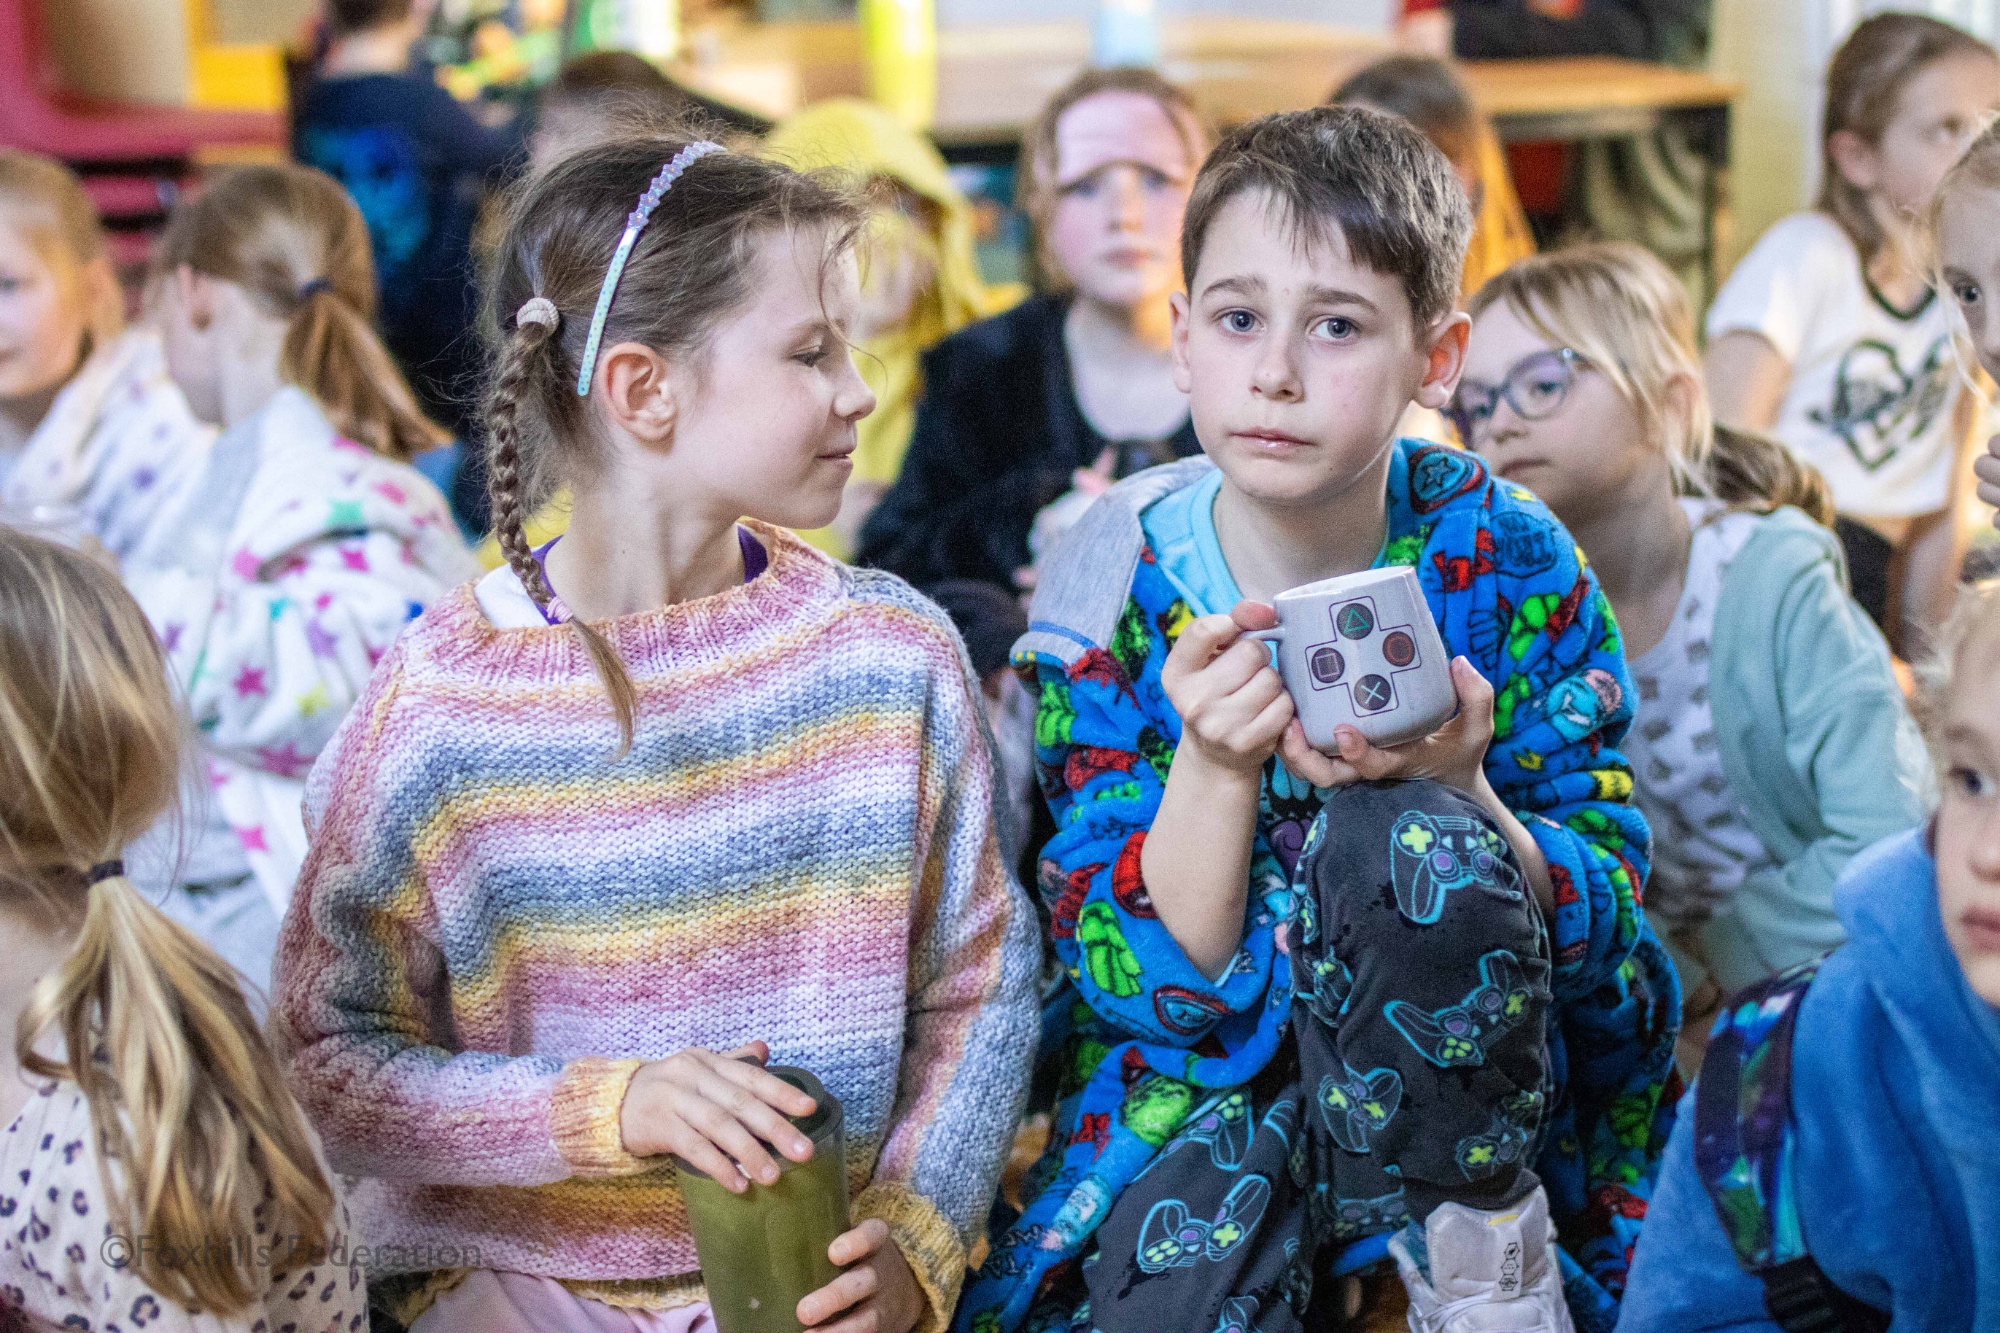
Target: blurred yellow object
{"type": "Point", "coordinates": [544, 525]}
{"type": "Point", "coordinates": [899, 46]}
{"type": "Point", "coordinates": [869, 145]}
{"type": "Point", "coordinates": [230, 76]}
{"type": "Point", "coordinates": [1500, 233]}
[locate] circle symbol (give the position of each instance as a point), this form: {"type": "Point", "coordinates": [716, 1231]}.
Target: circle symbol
{"type": "Point", "coordinates": [1355, 620]}
{"type": "Point", "coordinates": [1372, 694]}
{"type": "Point", "coordinates": [1399, 649]}
{"type": "Point", "coordinates": [1327, 665]}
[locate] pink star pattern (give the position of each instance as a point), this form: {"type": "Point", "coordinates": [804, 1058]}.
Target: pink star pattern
{"type": "Point", "coordinates": [354, 558]}
{"type": "Point", "coordinates": [245, 564]}
{"type": "Point", "coordinates": [249, 681]}
{"type": "Point", "coordinates": [284, 760]}
{"type": "Point", "coordinates": [252, 839]}
{"type": "Point", "coordinates": [170, 637]}
{"type": "Point", "coordinates": [391, 492]}
{"type": "Point", "coordinates": [322, 641]}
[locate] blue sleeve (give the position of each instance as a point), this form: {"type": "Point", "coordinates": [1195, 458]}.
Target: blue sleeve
{"type": "Point", "coordinates": [1103, 756]}
{"type": "Point", "coordinates": [1684, 1275]}
{"type": "Point", "coordinates": [1513, 594]}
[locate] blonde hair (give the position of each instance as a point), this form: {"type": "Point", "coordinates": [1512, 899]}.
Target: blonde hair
{"type": "Point", "coordinates": [184, 1095]}
{"type": "Point", "coordinates": [1035, 177]}
{"type": "Point", "coordinates": [45, 201]}
{"type": "Point", "coordinates": [1619, 308]}
{"type": "Point", "coordinates": [291, 237]}
{"type": "Point", "coordinates": [1975, 614]}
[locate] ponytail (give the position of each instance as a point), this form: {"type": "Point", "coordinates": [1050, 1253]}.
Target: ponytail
{"type": "Point", "coordinates": [185, 1097]}
{"type": "Point", "coordinates": [1746, 470]}
{"type": "Point", "coordinates": [331, 352]}
{"type": "Point", "coordinates": [527, 355]}
{"type": "Point", "coordinates": [293, 239]}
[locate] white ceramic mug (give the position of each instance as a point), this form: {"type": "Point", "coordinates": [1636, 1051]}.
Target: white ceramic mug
{"type": "Point", "coordinates": [1362, 650]}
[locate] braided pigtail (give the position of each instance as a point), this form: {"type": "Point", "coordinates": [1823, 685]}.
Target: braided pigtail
{"type": "Point", "coordinates": [529, 354]}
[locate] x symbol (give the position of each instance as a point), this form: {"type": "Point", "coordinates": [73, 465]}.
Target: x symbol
{"type": "Point", "coordinates": [1371, 694]}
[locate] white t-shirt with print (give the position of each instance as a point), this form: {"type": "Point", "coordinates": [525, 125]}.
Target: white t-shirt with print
{"type": "Point", "coordinates": [1872, 391]}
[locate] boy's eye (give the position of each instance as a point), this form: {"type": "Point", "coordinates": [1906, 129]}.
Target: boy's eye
{"type": "Point", "coordinates": [1337, 326]}
{"type": "Point", "coordinates": [1969, 782]}
{"type": "Point", "coordinates": [1966, 292]}
{"type": "Point", "coordinates": [1238, 321]}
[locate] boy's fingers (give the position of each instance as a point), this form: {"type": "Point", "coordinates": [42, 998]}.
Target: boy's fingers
{"type": "Point", "coordinates": [857, 1244]}
{"type": "Point", "coordinates": [767, 1088]}
{"type": "Point", "coordinates": [705, 1157]}
{"type": "Point", "coordinates": [1202, 639]}
{"type": "Point", "coordinates": [1475, 696]}
{"type": "Point", "coordinates": [726, 1132]}
{"type": "Point", "coordinates": [1254, 615]}
{"type": "Point", "coordinates": [1365, 759]}
{"type": "Point", "coordinates": [843, 1293]}
{"type": "Point", "coordinates": [1302, 761]}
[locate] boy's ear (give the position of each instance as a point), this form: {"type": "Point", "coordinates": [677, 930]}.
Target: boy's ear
{"type": "Point", "coordinates": [1444, 359]}
{"type": "Point", "coordinates": [1178, 304]}
{"type": "Point", "coordinates": [1855, 159]}
{"type": "Point", "coordinates": [636, 388]}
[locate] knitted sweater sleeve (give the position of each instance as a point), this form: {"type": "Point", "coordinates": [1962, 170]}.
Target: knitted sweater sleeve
{"type": "Point", "coordinates": [972, 1011]}
{"type": "Point", "coordinates": [360, 1008]}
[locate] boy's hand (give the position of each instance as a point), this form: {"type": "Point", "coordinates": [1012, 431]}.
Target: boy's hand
{"type": "Point", "coordinates": [1987, 468]}
{"type": "Point", "coordinates": [1454, 754]}
{"type": "Point", "coordinates": [717, 1111]}
{"type": "Point", "coordinates": [1231, 700]}
{"type": "Point", "coordinates": [877, 1293]}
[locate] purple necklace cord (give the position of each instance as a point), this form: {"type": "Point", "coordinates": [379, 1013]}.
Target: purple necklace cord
{"type": "Point", "coordinates": [755, 561]}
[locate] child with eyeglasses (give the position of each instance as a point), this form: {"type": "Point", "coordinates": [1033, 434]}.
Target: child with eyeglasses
{"type": "Point", "coordinates": [1771, 742]}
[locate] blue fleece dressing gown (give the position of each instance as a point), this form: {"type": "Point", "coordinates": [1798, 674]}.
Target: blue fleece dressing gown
{"type": "Point", "coordinates": [1147, 1048]}
{"type": "Point", "coordinates": [1896, 1112]}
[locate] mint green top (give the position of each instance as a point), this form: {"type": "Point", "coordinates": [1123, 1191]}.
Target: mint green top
{"type": "Point", "coordinates": [1815, 741]}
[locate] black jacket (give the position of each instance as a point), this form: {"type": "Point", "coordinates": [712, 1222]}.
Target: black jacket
{"type": "Point", "coordinates": [1673, 31]}
{"type": "Point", "coordinates": [997, 435]}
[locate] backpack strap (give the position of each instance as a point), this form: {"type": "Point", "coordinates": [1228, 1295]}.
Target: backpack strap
{"type": "Point", "coordinates": [1743, 1152]}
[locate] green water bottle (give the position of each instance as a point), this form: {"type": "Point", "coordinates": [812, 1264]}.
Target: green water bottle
{"type": "Point", "coordinates": [763, 1251]}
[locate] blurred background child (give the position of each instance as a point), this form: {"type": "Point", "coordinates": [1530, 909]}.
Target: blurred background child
{"type": "Point", "coordinates": [1843, 1119]}
{"type": "Point", "coordinates": [94, 437]}
{"type": "Point", "coordinates": [593, 93]}
{"type": "Point", "coordinates": [919, 279]}
{"type": "Point", "coordinates": [305, 545]}
{"type": "Point", "coordinates": [417, 164]}
{"type": "Point", "coordinates": [1965, 226]}
{"type": "Point", "coordinates": [1771, 742]}
{"type": "Point", "coordinates": [1019, 409]}
{"type": "Point", "coordinates": [1428, 93]}
{"type": "Point", "coordinates": [174, 1133]}
{"type": "Point", "coordinates": [1829, 336]}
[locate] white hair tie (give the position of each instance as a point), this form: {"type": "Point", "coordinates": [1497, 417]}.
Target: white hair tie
{"type": "Point", "coordinates": [538, 310]}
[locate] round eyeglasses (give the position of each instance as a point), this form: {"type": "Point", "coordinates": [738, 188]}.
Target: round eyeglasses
{"type": "Point", "coordinates": [1535, 387]}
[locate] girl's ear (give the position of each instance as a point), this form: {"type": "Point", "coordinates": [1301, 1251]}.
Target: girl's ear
{"type": "Point", "coordinates": [637, 388]}
{"type": "Point", "coordinates": [1857, 160]}
{"type": "Point", "coordinates": [196, 295]}
{"type": "Point", "coordinates": [1444, 360]}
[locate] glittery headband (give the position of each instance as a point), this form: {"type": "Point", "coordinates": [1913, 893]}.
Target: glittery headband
{"type": "Point", "coordinates": [634, 224]}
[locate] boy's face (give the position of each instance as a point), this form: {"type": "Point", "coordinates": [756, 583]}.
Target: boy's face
{"type": "Point", "coordinates": [1297, 360]}
{"type": "Point", "coordinates": [1969, 250]}
{"type": "Point", "coordinates": [1968, 820]}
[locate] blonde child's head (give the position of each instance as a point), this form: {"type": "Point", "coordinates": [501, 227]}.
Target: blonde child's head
{"type": "Point", "coordinates": [58, 295]}
{"type": "Point", "coordinates": [282, 250]}
{"type": "Point", "coordinates": [185, 1095]}
{"type": "Point", "coordinates": [1105, 173]}
{"type": "Point", "coordinates": [1955, 703]}
{"type": "Point", "coordinates": [1904, 94]}
{"type": "Point", "coordinates": [722, 357]}
{"type": "Point", "coordinates": [1965, 232]}
{"type": "Point", "coordinates": [1595, 348]}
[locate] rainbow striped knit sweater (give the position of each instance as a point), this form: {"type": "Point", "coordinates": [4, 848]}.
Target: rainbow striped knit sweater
{"type": "Point", "coordinates": [497, 923]}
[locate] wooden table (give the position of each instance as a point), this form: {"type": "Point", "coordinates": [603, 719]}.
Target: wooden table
{"type": "Point", "coordinates": [993, 78]}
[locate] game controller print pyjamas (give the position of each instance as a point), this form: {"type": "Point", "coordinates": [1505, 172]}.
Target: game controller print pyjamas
{"type": "Point", "coordinates": [1155, 1063]}
{"type": "Point", "coordinates": [1420, 991]}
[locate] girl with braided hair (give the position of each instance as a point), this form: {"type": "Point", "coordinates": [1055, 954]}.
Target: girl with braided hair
{"type": "Point", "coordinates": [668, 797]}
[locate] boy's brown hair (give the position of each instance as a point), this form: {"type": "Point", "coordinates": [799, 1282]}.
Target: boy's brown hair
{"type": "Point", "coordinates": [1374, 177]}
